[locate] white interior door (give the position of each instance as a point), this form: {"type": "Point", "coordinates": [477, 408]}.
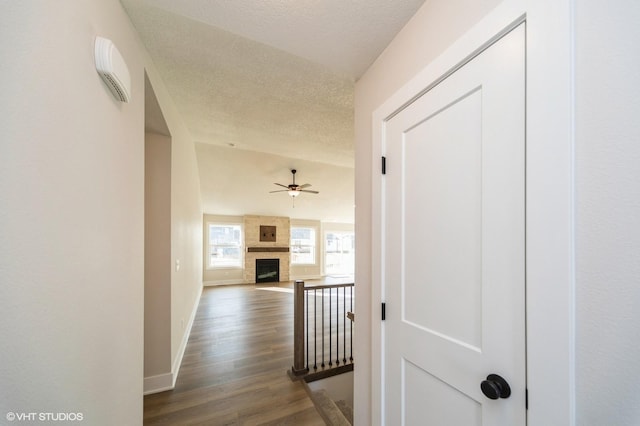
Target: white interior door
{"type": "Point", "coordinates": [454, 247]}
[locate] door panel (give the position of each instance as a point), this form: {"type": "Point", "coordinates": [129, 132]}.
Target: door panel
{"type": "Point", "coordinates": [454, 246]}
{"type": "Point", "coordinates": [418, 382]}
{"type": "Point", "coordinates": [444, 171]}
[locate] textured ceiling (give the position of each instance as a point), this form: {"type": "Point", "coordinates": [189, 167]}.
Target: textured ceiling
{"type": "Point", "coordinates": [274, 76]}
{"type": "Point", "coordinates": [269, 76]}
{"type": "Point", "coordinates": [345, 36]}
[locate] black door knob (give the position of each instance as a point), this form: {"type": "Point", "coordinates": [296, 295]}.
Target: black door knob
{"type": "Point", "coordinates": [495, 387]}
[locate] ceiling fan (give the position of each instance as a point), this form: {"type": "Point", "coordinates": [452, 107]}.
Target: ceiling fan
{"type": "Point", "coordinates": [293, 189]}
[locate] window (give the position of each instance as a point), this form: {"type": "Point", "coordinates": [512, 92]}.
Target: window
{"type": "Point", "coordinates": [303, 246]}
{"type": "Point", "coordinates": [225, 246]}
{"type": "Point", "coordinates": [339, 254]}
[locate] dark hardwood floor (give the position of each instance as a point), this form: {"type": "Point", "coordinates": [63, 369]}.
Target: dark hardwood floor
{"type": "Point", "coordinates": [234, 368]}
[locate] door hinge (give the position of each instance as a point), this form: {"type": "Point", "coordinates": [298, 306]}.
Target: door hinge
{"type": "Point", "coordinates": [526, 399]}
{"type": "Point", "coordinates": [384, 311]}
{"type": "Point", "coordinates": [384, 165]}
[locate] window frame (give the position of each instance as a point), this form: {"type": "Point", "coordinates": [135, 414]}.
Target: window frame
{"type": "Point", "coordinates": [240, 246]}
{"type": "Point", "coordinates": [341, 252]}
{"type": "Point", "coordinates": [314, 246]}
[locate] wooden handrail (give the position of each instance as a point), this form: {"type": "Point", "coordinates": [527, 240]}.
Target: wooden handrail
{"type": "Point", "coordinates": [319, 286]}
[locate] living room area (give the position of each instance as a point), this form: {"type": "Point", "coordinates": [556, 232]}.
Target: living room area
{"type": "Point", "coordinates": [236, 250]}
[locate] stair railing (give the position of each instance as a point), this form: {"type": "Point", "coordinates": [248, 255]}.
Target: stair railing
{"type": "Point", "coordinates": [323, 330]}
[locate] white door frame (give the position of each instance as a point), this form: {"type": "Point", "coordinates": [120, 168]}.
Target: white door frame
{"type": "Point", "coordinates": [549, 198]}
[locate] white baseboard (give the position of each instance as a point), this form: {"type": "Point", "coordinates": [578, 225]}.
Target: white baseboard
{"type": "Point", "coordinates": [159, 383]}
{"type": "Point", "coordinates": [167, 381]}
{"type": "Point", "coordinates": [306, 277]}
{"type": "Point", "coordinates": [224, 282]}
{"type": "Point", "coordinates": [175, 368]}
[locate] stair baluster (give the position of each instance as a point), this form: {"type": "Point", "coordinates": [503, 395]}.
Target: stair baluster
{"type": "Point", "coordinates": [322, 332]}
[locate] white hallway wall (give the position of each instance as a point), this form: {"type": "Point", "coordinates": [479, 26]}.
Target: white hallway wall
{"type": "Point", "coordinates": [72, 219]}
{"type": "Point", "coordinates": [607, 174]}
{"type": "Point", "coordinates": [72, 216]}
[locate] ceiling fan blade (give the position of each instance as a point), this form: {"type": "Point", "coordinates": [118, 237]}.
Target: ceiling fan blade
{"type": "Point", "coordinates": [294, 189]}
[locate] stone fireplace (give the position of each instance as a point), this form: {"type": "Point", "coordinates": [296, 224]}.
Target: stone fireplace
{"type": "Point", "coordinates": [266, 250]}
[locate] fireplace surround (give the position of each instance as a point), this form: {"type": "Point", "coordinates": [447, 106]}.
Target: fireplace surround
{"type": "Point", "coordinates": [256, 249]}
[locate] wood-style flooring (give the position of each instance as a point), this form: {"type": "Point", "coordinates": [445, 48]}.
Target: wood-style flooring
{"type": "Point", "coordinates": [234, 370]}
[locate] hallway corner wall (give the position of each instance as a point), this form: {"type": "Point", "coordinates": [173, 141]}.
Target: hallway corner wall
{"type": "Point", "coordinates": [186, 222]}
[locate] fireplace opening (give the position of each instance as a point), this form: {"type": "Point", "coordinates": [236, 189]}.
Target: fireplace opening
{"type": "Point", "coordinates": [267, 270]}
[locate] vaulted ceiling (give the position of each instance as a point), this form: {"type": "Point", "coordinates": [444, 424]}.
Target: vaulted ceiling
{"type": "Point", "coordinates": [273, 77]}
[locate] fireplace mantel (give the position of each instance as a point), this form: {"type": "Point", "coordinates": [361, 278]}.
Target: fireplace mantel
{"type": "Point", "coordinates": [268, 249]}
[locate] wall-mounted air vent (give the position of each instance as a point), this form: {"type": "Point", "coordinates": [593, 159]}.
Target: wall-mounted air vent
{"type": "Point", "coordinates": [112, 68]}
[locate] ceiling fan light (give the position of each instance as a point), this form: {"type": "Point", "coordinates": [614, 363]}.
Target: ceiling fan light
{"type": "Point", "coordinates": [294, 193]}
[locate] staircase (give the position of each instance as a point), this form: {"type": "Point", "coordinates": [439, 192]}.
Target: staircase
{"type": "Point", "coordinates": [323, 342]}
{"type": "Point", "coordinates": [338, 413]}
{"type": "Point", "coordinates": [333, 398]}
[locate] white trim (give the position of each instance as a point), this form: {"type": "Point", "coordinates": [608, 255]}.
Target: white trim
{"type": "Point", "coordinates": [550, 251]}
{"type": "Point", "coordinates": [223, 282]}
{"type": "Point", "coordinates": [159, 383]}
{"type": "Point", "coordinates": [306, 277]}
{"type": "Point", "coordinates": [550, 213]}
{"type": "Point", "coordinates": [228, 268]}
